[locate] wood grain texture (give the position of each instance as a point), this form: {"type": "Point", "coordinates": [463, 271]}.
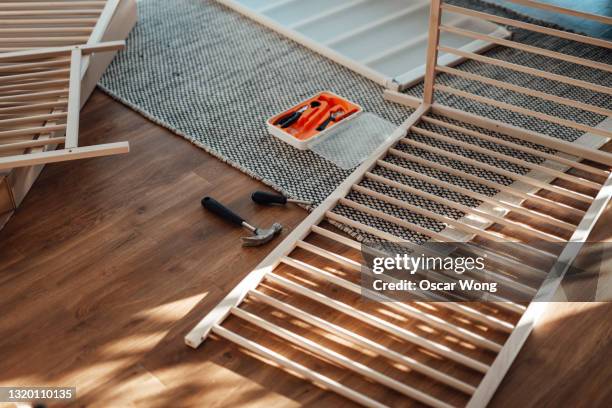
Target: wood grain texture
{"type": "Point", "coordinates": [121, 261]}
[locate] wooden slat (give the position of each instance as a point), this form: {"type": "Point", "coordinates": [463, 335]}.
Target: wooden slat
{"type": "Point", "coordinates": [38, 64]}
{"type": "Point", "coordinates": [74, 99]}
{"type": "Point", "coordinates": [36, 107]}
{"type": "Point", "coordinates": [364, 342]}
{"type": "Point", "coordinates": [419, 229]}
{"type": "Point", "coordinates": [59, 13]}
{"type": "Point", "coordinates": [528, 26]}
{"type": "Point", "coordinates": [33, 42]}
{"type": "Point", "coordinates": [54, 52]}
{"type": "Point", "coordinates": [563, 10]}
{"type": "Point", "coordinates": [544, 140]}
{"type": "Point", "coordinates": [465, 209]}
{"type": "Point", "coordinates": [460, 308]}
{"type": "Point", "coordinates": [31, 131]}
{"type": "Point", "coordinates": [27, 97]}
{"type": "Point", "coordinates": [547, 219]}
{"type": "Point", "coordinates": [17, 146]}
{"type": "Point", "coordinates": [527, 48]}
{"type": "Point", "coordinates": [34, 31]}
{"type": "Point", "coordinates": [55, 156]}
{"type": "Point", "coordinates": [431, 60]}
{"type": "Point", "coordinates": [401, 307]}
{"type": "Point", "coordinates": [525, 111]}
{"type": "Point", "coordinates": [37, 22]}
{"type": "Point", "coordinates": [365, 228]}
{"type": "Point", "coordinates": [29, 86]}
{"type": "Point", "coordinates": [32, 119]}
{"type": "Point", "coordinates": [54, 5]}
{"type": "Point", "coordinates": [538, 153]}
{"type": "Point", "coordinates": [476, 250]}
{"type": "Point", "coordinates": [434, 216]}
{"type": "Point", "coordinates": [103, 21]}
{"type": "Point", "coordinates": [394, 220]}
{"type": "Point", "coordinates": [573, 149]}
{"type": "Point", "coordinates": [503, 303]}
{"type": "Point", "coordinates": [426, 231]}
{"type": "Point", "coordinates": [528, 70]}
{"type": "Point", "coordinates": [525, 91]}
{"type": "Point", "coordinates": [302, 371]}
{"type": "Point", "coordinates": [378, 323]}
{"type": "Point", "coordinates": [362, 247]}
{"type": "Point", "coordinates": [508, 158]}
{"type": "Point", "coordinates": [339, 359]}
{"type": "Point", "coordinates": [339, 259]}
{"type": "Point", "coordinates": [496, 170]}
{"type": "Point", "coordinates": [6, 79]}
{"type": "Point", "coordinates": [492, 184]}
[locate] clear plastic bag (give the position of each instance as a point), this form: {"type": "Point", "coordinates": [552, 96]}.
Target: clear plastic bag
{"type": "Point", "coordinates": [348, 144]}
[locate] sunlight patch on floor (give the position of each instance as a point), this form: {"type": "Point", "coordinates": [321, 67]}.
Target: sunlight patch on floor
{"type": "Point", "coordinates": [172, 311]}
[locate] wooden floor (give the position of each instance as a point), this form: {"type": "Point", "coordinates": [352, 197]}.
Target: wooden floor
{"type": "Point", "coordinates": [110, 261]}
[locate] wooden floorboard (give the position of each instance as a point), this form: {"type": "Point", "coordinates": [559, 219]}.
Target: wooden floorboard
{"type": "Point", "coordinates": [110, 261]}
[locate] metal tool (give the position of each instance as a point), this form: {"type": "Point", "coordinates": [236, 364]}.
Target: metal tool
{"type": "Point", "coordinates": [290, 119]}
{"type": "Point", "coordinates": [261, 235]}
{"type": "Point", "coordinates": [265, 198]}
{"type": "Point", "coordinates": [281, 121]}
{"type": "Point", "coordinates": [331, 118]}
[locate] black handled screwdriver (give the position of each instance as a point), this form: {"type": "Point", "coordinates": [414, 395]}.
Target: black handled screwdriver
{"type": "Point", "coordinates": [265, 198]}
{"type": "Point", "coordinates": [293, 117]}
{"type": "Point", "coordinates": [331, 118]}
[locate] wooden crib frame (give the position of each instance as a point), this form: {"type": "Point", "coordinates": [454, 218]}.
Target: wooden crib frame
{"type": "Point", "coordinates": [35, 25]}
{"type": "Point", "coordinates": [569, 155]}
{"type": "Point", "coordinates": [34, 82]}
{"type": "Point", "coordinates": [44, 25]}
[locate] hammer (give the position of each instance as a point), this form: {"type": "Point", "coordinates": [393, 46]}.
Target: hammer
{"type": "Point", "coordinates": [260, 235]}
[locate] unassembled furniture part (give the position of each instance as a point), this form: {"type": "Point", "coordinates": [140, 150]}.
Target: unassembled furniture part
{"type": "Point", "coordinates": [383, 40]}
{"type": "Point", "coordinates": [43, 25]}
{"type": "Point", "coordinates": [475, 342]}
{"type": "Point", "coordinates": [32, 83]}
{"type": "Point", "coordinates": [39, 25]}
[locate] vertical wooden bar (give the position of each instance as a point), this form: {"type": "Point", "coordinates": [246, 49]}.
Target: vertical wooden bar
{"type": "Point", "coordinates": [103, 21]}
{"type": "Point", "coordinates": [435, 15]}
{"type": "Point", "coordinates": [100, 28]}
{"type": "Point", "coordinates": [74, 100]}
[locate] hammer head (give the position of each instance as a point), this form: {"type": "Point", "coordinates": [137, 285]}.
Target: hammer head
{"type": "Point", "coordinates": [262, 235]}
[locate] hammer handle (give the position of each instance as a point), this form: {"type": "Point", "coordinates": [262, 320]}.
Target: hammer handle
{"type": "Point", "coordinates": [216, 207]}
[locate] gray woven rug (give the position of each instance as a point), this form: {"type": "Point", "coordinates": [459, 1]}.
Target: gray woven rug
{"type": "Point", "coordinates": [213, 76]}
